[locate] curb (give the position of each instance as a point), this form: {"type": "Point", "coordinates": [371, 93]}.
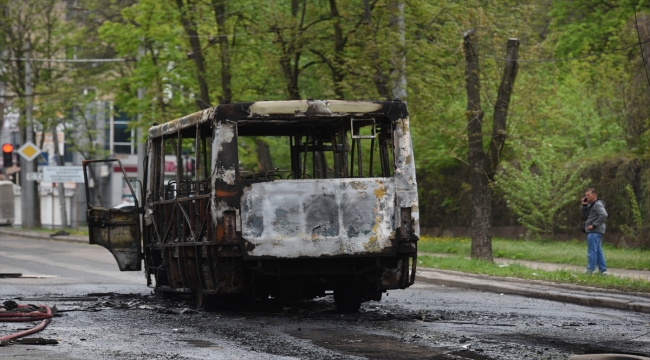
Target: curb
{"type": "Point", "coordinates": [45, 236]}
{"type": "Point", "coordinates": [585, 296]}
{"type": "Point", "coordinates": [528, 282]}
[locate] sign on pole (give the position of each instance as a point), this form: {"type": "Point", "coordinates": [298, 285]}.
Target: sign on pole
{"type": "Point", "coordinates": [63, 174]}
{"type": "Point", "coordinates": [29, 151]}
{"type": "Point", "coordinates": [34, 176]}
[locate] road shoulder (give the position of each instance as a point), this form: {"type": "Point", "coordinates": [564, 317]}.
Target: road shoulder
{"type": "Point", "coordinates": [581, 295]}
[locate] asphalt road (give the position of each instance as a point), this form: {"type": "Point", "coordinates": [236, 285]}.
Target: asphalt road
{"type": "Point", "coordinates": [426, 321]}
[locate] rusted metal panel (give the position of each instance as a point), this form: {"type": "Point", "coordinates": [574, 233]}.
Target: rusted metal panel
{"type": "Point", "coordinates": [392, 275]}
{"type": "Point", "coordinates": [119, 232]}
{"type": "Point", "coordinates": [406, 230]}
{"type": "Point", "coordinates": [289, 109]}
{"type": "Point", "coordinates": [319, 218]}
{"type": "Point", "coordinates": [173, 126]}
{"type": "Point", "coordinates": [230, 234]}
{"type": "Point", "coordinates": [225, 196]}
{"type": "Point", "coordinates": [405, 184]}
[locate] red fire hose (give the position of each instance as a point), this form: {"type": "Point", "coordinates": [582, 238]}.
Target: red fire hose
{"type": "Point", "coordinates": [42, 312]}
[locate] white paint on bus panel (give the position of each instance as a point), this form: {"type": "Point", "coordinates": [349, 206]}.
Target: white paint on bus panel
{"type": "Point", "coordinates": [320, 217]}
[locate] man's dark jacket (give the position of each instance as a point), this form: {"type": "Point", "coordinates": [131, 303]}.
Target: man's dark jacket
{"type": "Point", "coordinates": [595, 214]}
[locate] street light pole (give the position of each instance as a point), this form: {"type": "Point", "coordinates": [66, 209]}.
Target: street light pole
{"type": "Point", "coordinates": [2, 99]}
{"type": "Point", "coordinates": [61, 185]}
{"type": "Point", "coordinates": [141, 148]}
{"type": "Point", "coordinates": [27, 189]}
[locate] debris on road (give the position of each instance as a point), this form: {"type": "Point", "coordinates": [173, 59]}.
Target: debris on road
{"type": "Point", "coordinates": [35, 341]}
{"type": "Point", "coordinates": [10, 275]}
{"type": "Point", "coordinates": [60, 298]}
{"type": "Point", "coordinates": [14, 312]}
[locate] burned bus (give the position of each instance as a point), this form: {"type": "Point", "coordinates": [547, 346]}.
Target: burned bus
{"type": "Point", "coordinates": [335, 213]}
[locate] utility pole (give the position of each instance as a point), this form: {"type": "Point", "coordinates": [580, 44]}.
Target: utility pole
{"type": "Point", "coordinates": [2, 98]}
{"type": "Point", "coordinates": [398, 75]}
{"type": "Point", "coordinates": [27, 189]}
{"type": "Point", "coordinates": [60, 186]}
{"type": "Point", "coordinates": [141, 148]}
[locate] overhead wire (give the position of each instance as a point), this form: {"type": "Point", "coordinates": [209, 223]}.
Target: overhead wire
{"type": "Point", "coordinates": [66, 60]}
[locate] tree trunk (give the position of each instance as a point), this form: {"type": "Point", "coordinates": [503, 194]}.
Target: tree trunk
{"type": "Point", "coordinates": [481, 201]}
{"type": "Point", "coordinates": [219, 6]}
{"type": "Point", "coordinates": [264, 161]}
{"type": "Point", "coordinates": [398, 75]}
{"type": "Point", "coordinates": [189, 25]}
{"type": "Point", "coordinates": [292, 49]}
{"type": "Point", "coordinates": [484, 165]}
{"type": "Point", "coordinates": [339, 45]}
{"type": "Point", "coordinates": [378, 77]}
{"type": "Point", "coordinates": [499, 129]}
{"type": "Point", "coordinates": [220, 14]}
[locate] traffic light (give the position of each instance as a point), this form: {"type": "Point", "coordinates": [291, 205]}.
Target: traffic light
{"type": "Point", "coordinates": [7, 155]}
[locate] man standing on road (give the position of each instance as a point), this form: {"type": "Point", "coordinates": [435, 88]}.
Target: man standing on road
{"type": "Point", "coordinates": [593, 211]}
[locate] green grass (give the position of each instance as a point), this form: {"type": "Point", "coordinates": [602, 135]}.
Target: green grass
{"type": "Point", "coordinates": [572, 252]}
{"type": "Point", "coordinates": [82, 231]}
{"type": "Point", "coordinates": [519, 271]}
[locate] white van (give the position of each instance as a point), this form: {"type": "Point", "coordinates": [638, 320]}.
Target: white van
{"type": "Point", "coordinates": [6, 203]}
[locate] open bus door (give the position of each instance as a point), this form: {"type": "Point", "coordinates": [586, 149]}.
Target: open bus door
{"type": "Point", "coordinates": [118, 230]}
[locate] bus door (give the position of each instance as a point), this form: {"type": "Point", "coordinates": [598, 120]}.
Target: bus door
{"type": "Point", "coordinates": [117, 228]}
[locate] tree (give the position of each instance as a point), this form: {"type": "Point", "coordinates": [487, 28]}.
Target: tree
{"type": "Point", "coordinates": [484, 164]}
{"type": "Point", "coordinates": [30, 30]}
{"type": "Point", "coordinates": [618, 34]}
{"type": "Point", "coordinates": [188, 13]}
{"type": "Point", "coordinates": [540, 186]}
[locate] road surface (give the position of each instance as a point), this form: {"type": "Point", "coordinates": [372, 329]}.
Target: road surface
{"type": "Point", "coordinates": [122, 320]}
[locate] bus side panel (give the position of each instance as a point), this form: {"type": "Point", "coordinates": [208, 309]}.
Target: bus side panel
{"type": "Point", "coordinates": [319, 218]}
{"type": "Point", "coordinates": [405, 183]}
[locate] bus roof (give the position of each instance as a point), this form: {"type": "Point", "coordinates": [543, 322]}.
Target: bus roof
{"type": "Point", "coordinates": [295, 110]}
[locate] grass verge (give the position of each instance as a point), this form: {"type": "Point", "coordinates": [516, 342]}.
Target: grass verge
{"type": "Point", "coordinates": [523, 272]}
{"type": "Point", "coordinates": [82, 231]}
{"type": "Point", "coordinates": [572, 252]}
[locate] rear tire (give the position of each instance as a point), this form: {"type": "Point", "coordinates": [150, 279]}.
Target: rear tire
{"type": "Point", "coordinates": [347, 299]}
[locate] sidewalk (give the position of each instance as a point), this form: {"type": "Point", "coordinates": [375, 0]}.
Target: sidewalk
{"type": "Point", "coordinates": [582, 295]}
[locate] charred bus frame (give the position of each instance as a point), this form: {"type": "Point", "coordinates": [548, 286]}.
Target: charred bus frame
{"type": "Point", "coordinates": [343, 217]}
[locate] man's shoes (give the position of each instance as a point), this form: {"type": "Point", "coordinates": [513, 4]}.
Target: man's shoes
{"type": "Point", "coordinates": [604, 273]}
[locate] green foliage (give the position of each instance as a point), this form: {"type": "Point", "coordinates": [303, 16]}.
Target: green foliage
{"type": "Point", "coordinates": [604, 38]}
{"type": "Point", "coordinates": [539, 187]}
{"type": "Point", "coordinates": [581, 85]}
{"type": "Point", "coordinates": [637, 219]}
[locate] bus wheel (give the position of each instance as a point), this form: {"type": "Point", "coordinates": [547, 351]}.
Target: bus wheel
{"type": "Point", "coordinates": [347, 299]}
{"type": "Point", "coordinates": [201, 299]}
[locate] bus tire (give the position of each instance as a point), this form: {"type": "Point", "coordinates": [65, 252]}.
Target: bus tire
{"type": "Point", "coordinates": [347, 299]}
